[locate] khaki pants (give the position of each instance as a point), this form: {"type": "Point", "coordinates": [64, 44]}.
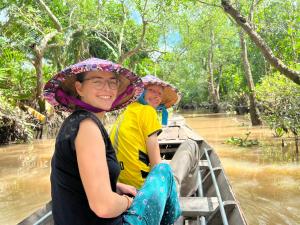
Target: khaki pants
{"type": "Point", "coordinates": [185, 167]}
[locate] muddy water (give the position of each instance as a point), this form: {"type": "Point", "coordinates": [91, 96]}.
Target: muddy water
{"type": "Point", "coordinates": [24, 179]}
{"type": "Point", "coordinates": [266, 185]}
{"type": "Point", "coordinates": [265, 181]}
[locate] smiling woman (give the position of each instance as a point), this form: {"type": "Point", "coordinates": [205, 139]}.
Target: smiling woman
{"type": "Point", "coordinates": [62, 90]}
{"type": "Point", "coordinates": [97, 88]}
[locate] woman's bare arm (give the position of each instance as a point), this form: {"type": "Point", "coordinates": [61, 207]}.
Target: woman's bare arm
{"type": "Point", "coordinates": [153, 149]}
{"type": "Point", "coordinates": [94, 173]}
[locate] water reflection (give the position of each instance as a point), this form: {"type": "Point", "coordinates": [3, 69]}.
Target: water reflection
{"type": "Point", "coordinates": [265, 182]}
{"type": "Point", "coordinates": [24, 179]}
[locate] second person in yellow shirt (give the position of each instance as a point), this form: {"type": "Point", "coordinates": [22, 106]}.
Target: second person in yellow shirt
{"type": "Point", "coordinates": [134, 137]}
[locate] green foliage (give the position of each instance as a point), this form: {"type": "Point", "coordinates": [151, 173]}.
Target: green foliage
{"type": "Point", "coordinates": [279, 23]}
{"type": "Point", "coordinates": [95, 28]}
{"type": "Point", "coordinates": [280, 100]}
{"type": "Point", "coordinates": [16, 79]}
{"type": "Point", "coordinates": [279, 131]}
{"type": "Point", "coordinates": [185, 74]}
{"type": "Point", "coordinates": [232, 83]}
{"type": "Point", "coordinates": [242, 142]}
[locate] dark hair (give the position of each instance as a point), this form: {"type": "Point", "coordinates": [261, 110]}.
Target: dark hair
{"type": "Point", "coordinates": [80, 76]}
{"type": "Point", "coordinates": [68, 85]}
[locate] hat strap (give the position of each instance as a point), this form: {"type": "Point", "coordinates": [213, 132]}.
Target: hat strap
{"type": "Point", "coordinates": [165, 114]}
{"type": "Point", "coordinates": [161, 107]}
{"type": "Point", "coordinates": [141, 99]}
{"type": "Point", "coordinates": [67, 100]}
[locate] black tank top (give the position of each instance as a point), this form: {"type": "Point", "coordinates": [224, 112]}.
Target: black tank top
{"type": "Point", "coordinates": [69, 202]}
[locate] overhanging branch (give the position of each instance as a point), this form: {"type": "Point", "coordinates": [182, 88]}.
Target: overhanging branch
{"type": "Point", "coordinates": [51, 15]}
{"type": "Point", "coordinates": [260, 43]}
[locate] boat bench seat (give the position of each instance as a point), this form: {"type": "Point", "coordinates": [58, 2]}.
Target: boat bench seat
{"type": "Point", "coordinates": [198, 206]}
{"type": "Point", "coordinates": [202, 163]}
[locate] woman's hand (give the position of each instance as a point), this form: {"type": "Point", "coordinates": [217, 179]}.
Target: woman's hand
{"type": "Point", "coordinates": [126, 189]}
{"type": "Point", "coordinates": [128, 200]}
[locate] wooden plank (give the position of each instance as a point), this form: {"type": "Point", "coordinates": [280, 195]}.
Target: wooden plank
{"type": "Point", "coordinates": [174, 133]}
{"type": "Point", "coordinates": [176, 120]}
{"type": "Point", "coordinates": [198, 206]}
{"type": "Point", "coordinates": [203, 164]}
{"type": "Point", "coordinates": [169, 142]}
{"type": "Point", "coordinates": [189, 133]}
{"type": "Point", "coordinates": [182, 133]}
{"type": "Point", "coordinates": [169, 133]}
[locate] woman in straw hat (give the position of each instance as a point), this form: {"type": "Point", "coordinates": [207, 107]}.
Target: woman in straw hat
{"type": "Point", "coordinates": [85, 170]}
{"type": "Point", "coordinates": [134, 137]}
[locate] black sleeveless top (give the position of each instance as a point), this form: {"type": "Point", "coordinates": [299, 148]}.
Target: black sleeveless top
{"type": "Point", "coordinates": [69, 202]}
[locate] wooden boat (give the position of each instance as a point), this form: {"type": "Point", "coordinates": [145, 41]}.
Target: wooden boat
{"type": "Point", "coordinates": [214, 202]}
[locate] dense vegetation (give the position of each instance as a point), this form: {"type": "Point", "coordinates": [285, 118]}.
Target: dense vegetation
{"type": "Point", "coordinates": [216, 59]}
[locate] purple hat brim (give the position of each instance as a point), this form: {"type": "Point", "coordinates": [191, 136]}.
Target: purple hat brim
{"type": "Point", "coordinates": [129, 93]}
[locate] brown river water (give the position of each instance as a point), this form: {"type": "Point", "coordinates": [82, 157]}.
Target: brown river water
{"type": "Point", "coordinates": [265, 179]}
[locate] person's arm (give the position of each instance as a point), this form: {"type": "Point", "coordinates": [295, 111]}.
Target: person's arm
{"type": "Point", "coordinates": [93, 169]}
{"type": "Point", "coordinates": [153, 149]}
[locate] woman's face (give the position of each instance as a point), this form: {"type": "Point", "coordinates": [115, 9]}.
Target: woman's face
{"type": "Point", "coordinates": [153, 95]}
{"type": "Point", "coordinates": [98, 89]}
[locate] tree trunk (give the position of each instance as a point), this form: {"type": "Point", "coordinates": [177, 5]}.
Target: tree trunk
{"type": "Point", "coordinates": [260, 43]}
{"type": "Point", "coordinates": [217, 84]}
{"type": "Point", "coordinates": [297, 147]}
{"type": "Point", "coordinates": [38, 65]}
{"type": "Point", "coordinates": [39, 51]}
{"type": "Point", "coordinates": [212, 89]}
{"type": "Point", "coordinates": [254, 113]}
{"type": "Point", "coordinates": [210, 73]}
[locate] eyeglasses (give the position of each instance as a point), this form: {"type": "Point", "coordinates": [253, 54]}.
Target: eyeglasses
{"type": "Point", "coordinates": [99, 83]}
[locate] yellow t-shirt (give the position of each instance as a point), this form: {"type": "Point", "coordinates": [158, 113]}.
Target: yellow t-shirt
{"type": "Point", "coordinates": [128, 136]}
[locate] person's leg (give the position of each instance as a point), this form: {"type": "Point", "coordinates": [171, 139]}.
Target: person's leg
{"type": "Point", "coordinates": [185, 167]}
{"type": "Point", "coordinates": [157, 201]}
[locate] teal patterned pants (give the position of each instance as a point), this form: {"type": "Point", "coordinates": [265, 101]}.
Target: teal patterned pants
{"type": "Point", "coordinates": [157, 201]}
